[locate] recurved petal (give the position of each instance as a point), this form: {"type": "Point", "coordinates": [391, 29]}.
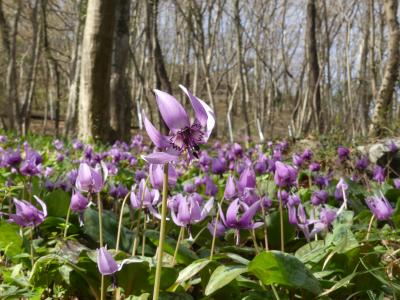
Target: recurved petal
{"type": "Point", "coordinates": [156, 137]}
{"type": "Point", "coordinates": [160, 158]}
{"type": "Point", "coordinates": [199, 110]}
{"type": "Point", "coordinates": [249, 214]}
{"type": "Point", "coordinates": [231, 213]}
{"type": "Point", "coordinates": [43, 205]}
{"type": "Point", "coordinates": [210, 120]}
{"type": "Point", "coordinates": [172, 112]}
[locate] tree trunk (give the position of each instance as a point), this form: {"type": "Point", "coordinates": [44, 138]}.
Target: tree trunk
{"type": "Point", "coordinates": [94, 91]}
{"type": "Point", "coordinates": [120, 102]}
{"type": "Point", "coordinates": [385, 95]}
{"type": "Point", "coordinates": [74, 72]}
{"type": "Point", "coordinates": [313, 77]}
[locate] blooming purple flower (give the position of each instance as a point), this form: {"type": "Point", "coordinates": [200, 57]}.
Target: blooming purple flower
{"type": "Point", "coordinates": [379, 174]}
{"type": "Point", "coordinates": [380, 207]}
{"type": "Point", "coordinates": [237, 150]}
{"type": "Point", "coordinates": [230, 188]}
{"type": "Point", "coordinates": [156, 174]}
{"type": "Point", "coordinates": [307, 155]}
{"type": "Point", "coordinates": [30, 168]}
{"type": "Point", "coordinates": [106, 263]}
{"type": "Point", "coordinates": [90, 179]}
{"type": "Point", "coordinates": [247, 179]}
{"type": "Point", "coordinates": [145, 198]}
{"type": "Point", "coordinates": [393, 148]}
{"type": "Point", "coordinates": [396, 183]}
{"type": "Point", "coordinates": [189, 187]}
{"type": "Point", "coordinates": [27, 215]}
{"type": "Point", "coordinates": [78, 202]}
{"type": "Point", "coordinates": [118, 191]}
{"type": "Point", "coordinates": [285, 175]}
{"type": "Point", "coordinates": [340, 191]}
{"type": "Point", "coordinates": [321, 181]}
{"type": "Point", "coordinates": [362, 163]}
{"type": "Point", "coordinates": [220, 228]}
{"type": "Point", "coordinates": [343, 153]}
{"type": "Point", "coordinates": [297, 160]}
{"type": "Point", "coordinates": [190, 212]}
{"type": "Point", "coordinates": [314, 167]}
{"type": "Point", "coordinates": [245, 221]}
{"type": "Point", "coordinates": [319, 197]}
{"type": "Point", "coordinates": [211, 188]}
{"type": "Point", "coordinates": [218, 166]}
{"type": "Point", "coordinates": [184, 135]}
{"type": "Point", "coordinates": [293, 200]}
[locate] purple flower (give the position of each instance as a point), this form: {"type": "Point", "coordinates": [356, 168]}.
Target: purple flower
{"type": "Point", "coordinates": [145, 198]}
{"type": "Point", "coordinates": [12, 158]}
{"type": "Point", "coordinates": [78, 202]}
{"type": "Point", "coordinates": [247, 179]}
{"type": "Point", "coordinates": [220, 228]}
{"type": "Point", "coordinates": [379, 174]}
{"type": "Point", "coordinates": [307, 155]}
{"type": "Point", "coordinates": [321, 181]}
{"type": "Point", "coordinates": [283, 196]}
{"type": "Point", "coordinates": [393, 148]}
{"type": "Point", "coordinates": [380, 207]}
{"type": "Point", "coordinates": [314, 167]}
{"type": "Point", "coordinates": [156, 174]}
{"type": "Point", "coordinates": [396, 183]}
{"type": "Point", "coordinates": [297, 160]}
{"type": "Point", "coordinates": [293, 200]}
{"type": "Point", "coordinates": [218, 166]}
{"type": "Point", "coordinates": [362, 163]}
{"type": "Point", "coordinates": [237, 150]}
{"type": "Point", "coordinates": [235, 221]}
{"type": "Point", "coordinates": [118, 192]}
{"type": "Point", "coordinates": [189, 187]}
{"type": "Point", "coordinates": [184, 135]}
{"type": "Point", "coordinates": [266, 202]}
{"type": "Point", "coordinates": [139, 175]}
{"type": "Point", "coordinates": [284, 175]}
{"type": "Point", "coordinates": [327, 216]}
{"type": "Point", "coordinates": [230, 188]}
{"type": "Point", "coordinates": [340, 191]}
{"type": "Point", "coordinates": [106, 263]}
{"type": "Point", "coordinates": [211, 188]}
{"type": "Point", "coordinates": [90, 179]}
{"type": "Point", "coordinates": [59, 145]}
{"type": "Point", "coordinates": [30, 168]}
{"type": "Point", "coordinates": [27, 215]}
{"type": "Point", "coordinates": [190, 212]}
{"type": "Point", "coordinates": [343, 153]}
{"type": "Point", "coordinates": [319, 197]}
{"type": "Point", "coordinates": [77, 145]}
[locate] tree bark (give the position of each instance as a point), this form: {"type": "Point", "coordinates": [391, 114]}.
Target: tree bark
{"type": "Point", "coordinates": [120, 104]}
{"type": "Point", "coordinates": [384, 98]}
{"type": "Point", "coordinates": [94, 92]}
{"type": "Point", "coordinates": [313, 77]}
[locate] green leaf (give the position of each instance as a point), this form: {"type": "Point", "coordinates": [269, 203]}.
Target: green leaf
{"type": "Point", "coordinates": [342, 238]}
{"type": "Point", "coordinates": [110, 228]}
{"type": "Point", "coordinates": [192, 269]}
{"type": "Point", "coordinates": [222, 276]}
{"type": "Point", "coordinates": [10, 240]}
{"type": "Point", "coordinates": [57, 203]}
{"type": "Point", "coordinates": [281, 268]}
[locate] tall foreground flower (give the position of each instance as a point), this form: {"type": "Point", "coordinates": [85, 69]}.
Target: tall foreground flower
{"type": "Point", "coordinates": [185, 135]}
{"type": "Point", "coordinates": [90, 179]}
{"type": "Point", "coordinates": [380, 207]}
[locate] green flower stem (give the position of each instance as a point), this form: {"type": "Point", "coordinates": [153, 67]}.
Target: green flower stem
{"type": "Point", "coordinates": [369, 227]}
{"type": "Point", "coordinates": [100, 209]}
{"type": "Point", "coordinates": [32, 250]}
{"type": "Point", "coordinates": [144, 236]}
{"type": "Point", "coordinates": [281, 221]}
{"type": "Point", "coordinates": [215, 231]}
{"type": "Point", "coordinates": [67, 222]}
{"type": "Point", "coordinates": [162, 234]}
{"type": "Point", "coordinates": [120, 221]}
{"type": "Point", "coordinates": [265, 228]}
{"type": "Point", "coordinates": [180, 237]}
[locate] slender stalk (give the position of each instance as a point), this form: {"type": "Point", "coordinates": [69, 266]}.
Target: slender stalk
{"type": "Point", "coordinates": [369, 227]}
{"type": "Point", "coordinates": [253, 236]}
{"type": "Point", "coordinates": [265, 228]}
{"type": "Point", "coordinates": [275, 292]}
{"type": "Point", "coordinates": [144, 237]}
{"type": "Point", "coordinates": [100, 209]}
{"type": "Point", "coordinates": [67, 222]}
{"type": "Point", "coordinates": [136, 240]}
{"type": "Point", "coordinates": [180, 237]}
{"type": "Point", "coordinates": [215, 231]}
{"type": "Point", "coordinates": [162, 234]}
{"type": "Point", "coordinates": [281, 221]}
{"type": "Point", "coordinates": [32, 250]}
{"type": "Point", "coordinates": [120, 221]}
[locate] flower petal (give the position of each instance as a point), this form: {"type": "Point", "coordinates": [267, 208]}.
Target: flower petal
{"type": "Point", "coordinates": [160, 158]}
{"type": "Point", "coordinates": [199, 110]}
{"type": "Point", "coordinates": [156, 137]}
{"type": "Point", "coordinates": [172, 112]}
